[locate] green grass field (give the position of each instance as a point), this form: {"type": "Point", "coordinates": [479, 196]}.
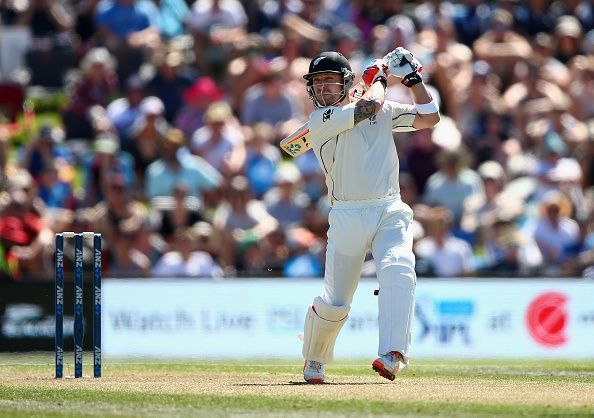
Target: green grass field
{"type": "Point", "coordinates": [258, 388]}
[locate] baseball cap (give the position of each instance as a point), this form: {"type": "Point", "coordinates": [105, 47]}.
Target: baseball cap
{"type": "Point", "coordinates": [106, 144]}
{"type": "Point", "coordinates": [174, 59]}
{"type": "Point", "coordinates": [568, 26]}
{"type": "Point", "coordinates": [202, 229]}
{"type": "Point", "coordinates": [152, 105]}
{"type": "Point", "coordinates": [287, 173]}
{"type": "Point", "coordinates": [491, 170]}
{"type": "Point", "coordinates": [218, 112]}
{"type": "Point", "coordinates": [175, 136]}
{"type": "Point", "coordinates": [502, 17]}
{"type": "Point", "coordinates": [203, 88]}
{"type": "Point", "coordinates": [566, 169]}
{"type": "Point", "coordinates": [558, 199]}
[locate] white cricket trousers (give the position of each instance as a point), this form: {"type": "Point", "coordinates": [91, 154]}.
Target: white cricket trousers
{"type": "Point", "coordinates": [383, 226]}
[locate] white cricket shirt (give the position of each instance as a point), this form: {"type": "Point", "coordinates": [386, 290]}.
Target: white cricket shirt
{"type": "Point", "coordinates": [360, 162]}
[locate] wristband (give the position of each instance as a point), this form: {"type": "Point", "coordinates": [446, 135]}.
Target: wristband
{"type": "Point", "coordinates": [427, 108]}
{"type": "Point", "coordinates": [412, 79]}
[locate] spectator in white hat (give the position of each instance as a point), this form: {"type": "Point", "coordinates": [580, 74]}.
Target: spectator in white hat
{"type": "Point", "coordinates": [147, 135]}
{"type": "Point", "coordinates": [174, 167]}
{"type": "Point", "coordinates": [98, 81]}
{"type": "Point", "coordinates": [185, 259]}
{"type": "Point", "coordinates": [480, 206]}
{"type": "Point", "coordinates": [125, 111]}
{"type": "Point", "coordinates": [446, 255]}
{"type": "Point", "coordinates": [287, 202]}
{"type": "Point", "coordinates": [220, 141]}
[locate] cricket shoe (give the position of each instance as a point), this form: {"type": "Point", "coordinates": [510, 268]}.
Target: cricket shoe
{"type": "Point", "coordinates": [313, 372]}
{"type": "Point", "coordinates": [387, 365]}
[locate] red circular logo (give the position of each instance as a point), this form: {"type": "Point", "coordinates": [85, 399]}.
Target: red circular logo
{"type": "Point", "coordinates": [547, 318]}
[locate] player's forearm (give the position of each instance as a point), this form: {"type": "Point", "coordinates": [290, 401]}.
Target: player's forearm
{"type": "Point", "coordinates": [420, 94]}
{"type": "Point", "coordinates": [377, 92]}
{"type": "Point", "coordinates": [427, 109]}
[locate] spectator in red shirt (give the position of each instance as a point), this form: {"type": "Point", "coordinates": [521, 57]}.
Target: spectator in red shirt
{"type": "Point", "coordinates": [22, 213]}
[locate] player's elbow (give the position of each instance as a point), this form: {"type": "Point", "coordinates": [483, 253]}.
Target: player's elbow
{"type": "Point", "coordinates": [425, 121]}
{"type": "Point", "coordinates": [433, 119]}
{"type": "Point", "coordinates": [377, 106]}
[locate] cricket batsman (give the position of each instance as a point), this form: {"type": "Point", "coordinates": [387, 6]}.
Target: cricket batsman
{"type": "Point", "coordinates": [354, 145]}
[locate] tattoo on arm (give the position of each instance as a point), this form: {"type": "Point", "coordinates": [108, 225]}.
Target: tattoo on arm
{"type": "Point", "coordinates": [364, 109]}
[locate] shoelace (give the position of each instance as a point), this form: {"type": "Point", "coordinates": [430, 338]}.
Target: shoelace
{"type": "Point", "coordinates": [393, 357]}
{"type": "Point", "coordinates": [316, 365]}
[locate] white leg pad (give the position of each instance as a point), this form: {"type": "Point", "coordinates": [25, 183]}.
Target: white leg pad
{"type": "Point", "coordinates": [323, 322]}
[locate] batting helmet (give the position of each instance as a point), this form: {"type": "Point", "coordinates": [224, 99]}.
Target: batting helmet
{"type": "Point", "coordinates": [330, 62]}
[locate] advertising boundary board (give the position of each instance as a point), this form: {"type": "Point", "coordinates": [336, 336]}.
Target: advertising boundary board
{"type": "Point", "coordinates": [241, 318]}
{"type": "Point", "coordinates": [262, 318]}
{"type": "Point", "coordinates": [27, 316]}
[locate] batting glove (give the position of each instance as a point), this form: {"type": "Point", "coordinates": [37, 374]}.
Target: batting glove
{"type": "Point", "coordinates": [374, 72]}
{"type": "Point", "coordinates": [402, 64]}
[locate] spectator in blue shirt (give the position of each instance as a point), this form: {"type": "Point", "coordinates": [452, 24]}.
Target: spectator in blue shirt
{"type": "Point", "coordinates": [129, 28]}
{"type": "Point", "coordinates": [55, 193]}
{"type": "Point", "coordinates": [174, 167]}
{"type": "Point", "coordinates": [125, 111]}
{"type": "Point", "coordinates": [43, 149]}
{"type": "Point", "coordinates": [173, 14]}
{"type": "Point", "coordinates": [269, 101]}
{"type": "Point", "coordinates": [125, 19]}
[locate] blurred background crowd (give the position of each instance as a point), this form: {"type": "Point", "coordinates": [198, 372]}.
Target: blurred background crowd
{"type": "Point", "coordinates": [157, 122]}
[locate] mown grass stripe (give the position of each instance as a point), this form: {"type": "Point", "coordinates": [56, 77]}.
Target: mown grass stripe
{"type": "Point", "coordinates": [186, 403]}
{"type": "Point", "coordinates": [549, 372]}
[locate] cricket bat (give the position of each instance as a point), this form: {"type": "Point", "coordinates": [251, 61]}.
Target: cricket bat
{"type": "Point", "coordinates": [298, 142]}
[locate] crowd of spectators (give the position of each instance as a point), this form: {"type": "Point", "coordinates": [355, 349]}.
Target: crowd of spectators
{"type": "Point", "coordinates": [168, 142]}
